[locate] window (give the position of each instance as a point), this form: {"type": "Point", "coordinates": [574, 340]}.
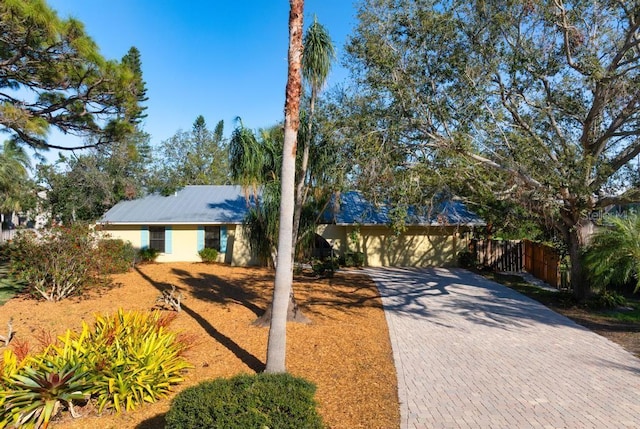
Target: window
{"type": "Point", "coordinates": [156, 238]}
{"type": "Point", "coordinates": [212, 237]}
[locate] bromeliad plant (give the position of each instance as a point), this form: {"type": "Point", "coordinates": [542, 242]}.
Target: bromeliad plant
{"type": "Point", "coordinates": [35, 395]}
{"type": "Point", "coordinates": [124, 360]}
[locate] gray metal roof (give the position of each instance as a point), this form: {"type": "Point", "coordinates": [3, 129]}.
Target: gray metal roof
{"type": "Point", "coordinates": [353, 209]}
{"type": "Point", "coordinates": [191, 205]}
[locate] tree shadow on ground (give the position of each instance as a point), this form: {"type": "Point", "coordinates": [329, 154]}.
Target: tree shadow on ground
{"type": "Point", "coordinates": [247, 358]}
{"type": "Point", "coordinates": [345, 292]}
{"type": "Point", "coordinates": [435, 292]}
{"type": "Point", "coordinates": [212, 288]}
{"type": "Point", "coordinates": [155, 422]}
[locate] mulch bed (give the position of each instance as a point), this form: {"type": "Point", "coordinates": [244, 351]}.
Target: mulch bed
{"type": "Point", "coordinates": [345, 351]}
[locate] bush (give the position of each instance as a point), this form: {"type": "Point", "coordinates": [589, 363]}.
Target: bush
{"type": "Point", "coordinates": [467, 259]}
{"type": "Point", "coordinates": [246, 401]}
{"type": "Point", "coordinates": [147, 255]}
{"type": "Point", "coordinates": [325, 267]}
{"type": "Point", "coordinates": [353, 259]}
{"type": "Point", "coordinates": [606, 300]}
{"type": "Point", "coordinates": [56, 264]}
{"type": "Point", "coordinates": [613, 257]}
{"type": "Point", "coordinates": [116, 256]}
{"type": "Point", "coordinates": [126, 359]}
{"type": "Point", "coordinates": [208, 255]}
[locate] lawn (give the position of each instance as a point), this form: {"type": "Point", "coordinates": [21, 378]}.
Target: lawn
{"type": "Point", "coordinates": [345, 351]}
{"type": "Point", "coordinates": [620, 325]}
{"type": "Point", "coordinates": [8, 287]}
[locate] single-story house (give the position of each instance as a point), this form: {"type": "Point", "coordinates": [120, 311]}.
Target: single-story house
{"type": "Point", "coordinates": [195, 217]}
{"type": "Point", "coordinates": [182, 224]}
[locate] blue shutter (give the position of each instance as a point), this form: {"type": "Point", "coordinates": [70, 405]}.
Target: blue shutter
{"type": "Point", "coordinates": [223, 239]}
{"type": "Point", "coordinates": [144, 237]}
{"type": "Point", "coordinates": [200, 239]}
{"type": "Point", "coordinates": [167, 239]}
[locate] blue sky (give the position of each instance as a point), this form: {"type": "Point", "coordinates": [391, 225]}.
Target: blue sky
{"type": "Point", "coordinates": [220, 59]}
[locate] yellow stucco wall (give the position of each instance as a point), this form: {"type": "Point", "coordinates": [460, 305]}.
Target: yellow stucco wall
{"type": "Point", "coordinates": [184, 243]}
{"type": "Point", "coordinates": [335, 235]}
{"type": "Point", "coordinates": [242, 255]}
{"type": "Point", "coordinates": [416, 247]}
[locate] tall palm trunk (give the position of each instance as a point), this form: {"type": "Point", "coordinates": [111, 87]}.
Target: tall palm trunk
{"type": "Point", "coordinates": [276, 348]}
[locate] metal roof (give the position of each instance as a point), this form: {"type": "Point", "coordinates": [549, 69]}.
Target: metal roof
{"type": "Point", "coordinates": [201, 204]}
{"type": "Point", "coordinates": [353, 208]}
{"type": "Point", "coordinates": [211, 204]}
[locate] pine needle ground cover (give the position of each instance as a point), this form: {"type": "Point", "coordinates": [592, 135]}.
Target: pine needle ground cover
{"type": "Point", "coordinates": [345, 352]}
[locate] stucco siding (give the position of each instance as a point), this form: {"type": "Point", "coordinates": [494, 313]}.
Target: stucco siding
{"type": "Point", "coordinates": [184, 243]}
{"type": "Point", "coordinates": [124, 233]}
{"type": "Point", "coordinates": [416, 247]}
{"type": "Point", "coordinates": [335, 235]}
{"type": "Point", "coordinates": [242, 255]}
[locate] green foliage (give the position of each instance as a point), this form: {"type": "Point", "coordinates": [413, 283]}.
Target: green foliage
{"type": "Point", "coordinates": [116, 255]}
{"type": "Point", "coordinates": [125, 360]}
{"type": "Point", "coordinates": [606, 300]}
{"type": "Point", "coordinates": [497, 102]}
{"type": "Point", "coordinates": [58, 263]}
{"type": "Point", "coordinates": [84, 187]}
{"type": "Point", "coordinates": [135, 359]}
{"type": "Point", "coordinates": [467, 259]}
{"type": "Point", "coordinates": [325, 267]}
{"type": "Point", "coordinates": [35, 394]}
{"type": "Point", "coordinates": [147, 255]}
{"type": "Point", "coordinates": [613, 257]}
{"type": "Point", "coordinates": [318, 55]}
{"type": "Point", "coordinates": [352, 259]}
{"type": "Point", "coordinates": [70, 85]}
{"type": "Point", "coordinates": [198, 157]}
{"type": "Point", "coordinates": [15, 185]}
{"type": "Point", "coordinates": [246, 401]}
{"type": "Point", "coordinates": [208, 255]}
{"type": "Point", "coordinates": [63, 261]}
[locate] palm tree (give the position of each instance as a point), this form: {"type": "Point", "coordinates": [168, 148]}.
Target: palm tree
{"type": "Point", "coordinates": [14, 166]}
{"type": "Point", "coordinates": [276, 348]}
{"type": "Point", "coordinates": [316, 63]}
{"type": "Point", "coordinates": [613, 257]}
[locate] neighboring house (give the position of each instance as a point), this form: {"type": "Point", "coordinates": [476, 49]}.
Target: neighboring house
{"type": "Point", "coordinates": [180, 225]}
{"type": "Point", "coordinates": [432, 238]}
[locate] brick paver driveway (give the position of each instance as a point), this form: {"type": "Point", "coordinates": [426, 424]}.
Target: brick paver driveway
{"type": "Point", "coordinates": [471, 353]}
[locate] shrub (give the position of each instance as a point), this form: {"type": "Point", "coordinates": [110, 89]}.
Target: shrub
{"type": "Point", "coordinates": [613, 257]}
{"type": "Point", "coordinates": [126, 359]}
{"type": "Point", "coordinates": [353, 259]}
{"type": "Point", "coordinates": [56, 264]}
{"type": "Point", "coordinates": [325, 267]}
{"type": "Point", "coordinates": [606, 300]}
{"type": "Point", "coordinates": [467, 259]}
{"type": "Point", "coordinates": [36, 395]}
{"type": "Point", "coordinates": [116, 256]}
{"type": "Point", "coordinates": [147, 255]}
{"type": "Point", "coordinates": [208, 255]}
{"type": "Point", "coordinates": [246, 401]}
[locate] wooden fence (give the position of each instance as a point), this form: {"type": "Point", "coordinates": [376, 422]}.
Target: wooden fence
{"type": "Point", "coordinates": [543, 262]}
{"type": "Point", "coordinates": [507, 256]}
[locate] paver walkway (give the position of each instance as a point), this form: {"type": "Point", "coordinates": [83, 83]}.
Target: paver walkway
{"type": "Point", "coordinates": [471, 353]}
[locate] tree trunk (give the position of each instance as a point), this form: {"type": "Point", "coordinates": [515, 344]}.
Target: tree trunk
{"type": "Point", "coordinates": [294, 314]}
{"type": "Point", "coordinates": [277, 345]}
{"type": "Point", "coordinates": [577, 237]}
